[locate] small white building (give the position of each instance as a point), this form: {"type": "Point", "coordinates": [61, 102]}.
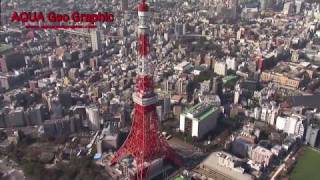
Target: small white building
{"type": "Point", "coordinates": [220, 68]}
{"type": "Point", "coordinates": [231, 63]}
{"type": "Point", "coordinates": [281, 122]}
{"type": "Point", "coordinates": [182, 67]}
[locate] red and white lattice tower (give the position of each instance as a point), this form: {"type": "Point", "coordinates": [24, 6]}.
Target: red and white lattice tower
{"type": "Point", "coordinates": [144, 143]}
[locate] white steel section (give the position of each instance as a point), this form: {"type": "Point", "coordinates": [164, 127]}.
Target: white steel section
{"type": "Point", "coordinates": [143, 20]}
{"type": "Point", "coordinates": [144, 66]}
{"type": "Point", "coordinates": [182, 122]}
{"type": "Point", "coordinates": [143, 13]}
{"type": "Point", "coordinates": [144, 101]}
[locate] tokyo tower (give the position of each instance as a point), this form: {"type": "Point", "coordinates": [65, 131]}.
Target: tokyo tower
{"type": "Point", "coordinates": [144, 142]}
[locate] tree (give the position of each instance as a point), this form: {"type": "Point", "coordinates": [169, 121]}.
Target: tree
{"type": "Point", "coordinates": [34, 169]}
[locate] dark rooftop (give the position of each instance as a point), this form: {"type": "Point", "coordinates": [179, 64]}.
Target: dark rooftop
{"type": "Point", "coordinates": [312, 101]}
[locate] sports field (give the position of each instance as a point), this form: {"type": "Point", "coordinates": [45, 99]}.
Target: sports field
{"type": "Point", "coordinates": [307, 167]}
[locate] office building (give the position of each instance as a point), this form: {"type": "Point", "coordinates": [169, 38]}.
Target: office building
{"type": "Point", "coordinates": [95, 40]}
{"type": "Point", "coordinates": [293, 125]}
{"type": "Point", "coordinates": [178, 29]}
{"type": "Point", "coordinates": [281, 79]}
{"type": "Point", "coordinates": [93, 117]}
{"type": "Point", "coordinates": [60, 127]}
{"type": "Point", "coordinates": [241, 147]}
{"type": "Point", "coordinates": [199, 120]}
{"type": "Point", "coordinates": [35, 115]}
{"type": "Point", "coordinates": [262, 155]}
{"type": "Point", "coordinates": [312, 135]}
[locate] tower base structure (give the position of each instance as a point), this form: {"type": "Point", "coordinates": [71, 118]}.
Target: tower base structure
{"type": "Point", "coordinates": [145, 143]}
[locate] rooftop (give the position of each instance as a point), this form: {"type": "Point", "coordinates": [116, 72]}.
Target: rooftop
{"type": "Point", "coordinates": [212, 163]}
{"type": "Point", "coordinates": [229, 78]}
{"type": "Point", "coordinates": [312, 101]}
{"type": "Point", "coordinates": [263, 150]}
{"type": "Point", "coordinates": [201, 111]}
{"type": "Point", "coordinates": [4, 47]}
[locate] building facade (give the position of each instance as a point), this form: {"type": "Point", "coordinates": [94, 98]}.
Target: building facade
{"type": "Point", "coordinates": [262, 155]}
{"type": "Point", "coordinates": [199, 120]}
{"type": "Point", "coordinates": [281, 79]}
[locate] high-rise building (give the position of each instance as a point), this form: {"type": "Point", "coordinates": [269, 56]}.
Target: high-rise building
{"type": "Point", "coordinates": [184, 29]}
{"type": "Point", "coordinates": [290, 125]}
{"type": "Point", "coordinates": [293, 125]}
{"type": "Point", "coordinates": [55, 108]}
{"type": "Point", "coordinates": [199, 120]}
{"type": "Point", "coordinates": [95, 40]}
{"type": "Point", "coordinates": [178, 29]}
{"type": "Point", "coordinates": [299, 6]}
{"type": "Point", "coordinates": [234, 8]}
{"type": "Point", "coordinates": [60, 127]}
{"type": "Point", "coordinates": [124, 5]}
{"type": "Point", "coordinates": [160, 113]}
{"type": "Point", "coordinates": [93, 117]}
{"type": "Point", "coordinates": [34, 115]}
{"type": "Point", "coordinates": [182, 86]}
{"type": "Point", "coordinates": [312, 135]}
{"type": "Point", "coordinates": [166, 106]}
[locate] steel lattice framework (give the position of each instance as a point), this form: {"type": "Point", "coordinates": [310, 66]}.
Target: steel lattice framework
{"type": "Point", "coordinates": [144, 142]}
